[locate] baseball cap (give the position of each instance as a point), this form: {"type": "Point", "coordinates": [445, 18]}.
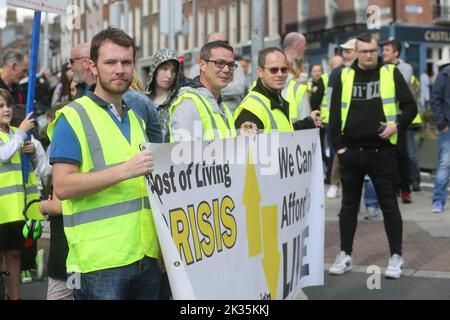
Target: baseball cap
{"type": "Point", "coordinates": [350, 44]}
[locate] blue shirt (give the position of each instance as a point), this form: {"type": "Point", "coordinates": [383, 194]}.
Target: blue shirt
{"type": "Point", "coordinates": [66, 147]}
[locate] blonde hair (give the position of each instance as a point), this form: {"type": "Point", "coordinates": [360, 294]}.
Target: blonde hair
{"type": "Point", "coordinates": [136, 83]}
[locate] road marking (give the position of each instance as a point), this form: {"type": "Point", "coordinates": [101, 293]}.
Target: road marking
{"type": "Point", "coordinates": [407, 272]}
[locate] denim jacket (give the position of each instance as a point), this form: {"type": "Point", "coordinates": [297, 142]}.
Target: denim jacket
{"type": "Point", "coordinates": [143, 106]}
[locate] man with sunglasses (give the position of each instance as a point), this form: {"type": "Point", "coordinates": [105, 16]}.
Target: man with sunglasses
{"type": "Point", "coordinates": [264, 105]}
{"type": "Point", "coordinates": [364, 125]}
{"type": "Point", "coordinates": [79, 62]}
{"type": "Point", "coordinates": [199, 111]}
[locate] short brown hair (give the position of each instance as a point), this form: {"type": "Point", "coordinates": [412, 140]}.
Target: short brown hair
{"type": "Point", "coordinates": [263, 54]}
{"type": "Point", "coordinates": [116, 36]}
{"type": "Point", "coordinates": [7, 96]}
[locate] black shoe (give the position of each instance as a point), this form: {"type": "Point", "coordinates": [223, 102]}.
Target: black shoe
{"type": "Point", "coordinates": [416, 187]}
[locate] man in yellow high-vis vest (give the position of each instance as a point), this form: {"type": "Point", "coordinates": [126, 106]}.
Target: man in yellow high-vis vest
{"type": "Point", "coordinates": [98, 173]}
{"type": "Point", "coordinates": [264, 106]}
{"type": "Point", "coordinates": [199, 111]}
{"type": "Point", "coordinates": [364, 123]}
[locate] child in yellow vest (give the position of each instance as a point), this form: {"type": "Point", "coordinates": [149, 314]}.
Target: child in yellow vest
{"type": "Point", "coordinates": [12, 197]}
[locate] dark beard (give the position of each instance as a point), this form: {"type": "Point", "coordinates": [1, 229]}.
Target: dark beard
{"type": "Point", "coordinates": [109, 88]}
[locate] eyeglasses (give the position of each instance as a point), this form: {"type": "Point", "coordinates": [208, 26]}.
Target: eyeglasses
{"type": "Point", "coordinates": [72, 60]}
{"type": "Point", "coordinates": [371, 51]}
{"type": "Point", "coordinates": [274, 70]}
{"type": "Point", "coordinates": [222, 63]}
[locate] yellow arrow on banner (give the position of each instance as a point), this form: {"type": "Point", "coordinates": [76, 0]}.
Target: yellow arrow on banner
{"type": "Point", "coordinates": [251, 200]}
{"type": "Point", "coordinates": [271, 256]}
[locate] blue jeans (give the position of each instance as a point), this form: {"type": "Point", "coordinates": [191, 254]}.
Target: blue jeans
{"type": "Point", "coordinates": [370, 196]}
{"type": "Point", "coordinates": [443, 168]}
{"type": "Point", "coordinates": [137, 281]}
{"type": "Point", "coordinates": [414, 169]}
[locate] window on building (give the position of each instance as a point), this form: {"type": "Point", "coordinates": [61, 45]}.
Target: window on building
{"type": "Point", "coordinates": [145, 41]}
{"type": "Point", "coordinates": [145, 8]}
{"type": "Point", "coordinates": [181, 43]}
{"type": "Point", "coordinates": [211, 23]}
{"type": "Point", "coordinates": [137, 26]}
{"type": "Point", "coordinates": [245, 21]}
{"type": "Point", "coordinates": [233, 24]}
{"type": "Point", "coordinates": [130, 24]}
{"type": "Point", "coordinates": [155, 6]}
{"type": "Point", "coordinates": [273, 17]}
{"type": "Point", "coordinates": [201, 28]}
{"type": "Point", "coordinates": [191, 23]}
{"type": "Point", "coordinates": [155, 37]}
{"type": "Point", "coordinates": [223, 20]}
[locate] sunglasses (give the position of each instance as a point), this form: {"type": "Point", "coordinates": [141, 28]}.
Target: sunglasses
{"type": "Point", "coordinates": [72, 60]}
{"type": "Point", "coordinates": [274, 70]}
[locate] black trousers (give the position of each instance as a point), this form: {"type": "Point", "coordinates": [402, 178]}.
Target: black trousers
{"type": "Point", "coordinates": [403, 162]}
{"type": "Point", "coordinates": [381, 166]}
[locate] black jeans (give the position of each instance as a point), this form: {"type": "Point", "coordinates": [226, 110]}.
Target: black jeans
{"type": "Point", "coordinates": [381, 166]}
{"type": "Point", "coordinates": [403, 162]}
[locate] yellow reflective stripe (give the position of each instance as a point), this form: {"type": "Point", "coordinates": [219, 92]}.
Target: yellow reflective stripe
{"type": "Point", "coordinates": [272, 119]}
{"type": "Point", "coordinates": [95, 148]}
{"type": "Point", "coordinates": [214, 124]}
{"type": "Point", "coordinates": [96, 169]}
{"type": "Point", "coordinates": [32, 190]}
{"type": "Point", "coordinates": [102, 213]}
{"type": "Point", "coordinates": [388, 100]}
{"type": "Point", "coordinates": [11, 189]}
{"type": "Point", "coordinates": [8, 167]}
{"type": "Point", "coordinates": [391, 118]}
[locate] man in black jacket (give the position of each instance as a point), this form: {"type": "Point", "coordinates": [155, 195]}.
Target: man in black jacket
{"type": "Point", "coordinates": [364, 124]}
{"type": "Point", "coordinates": [273, 73]}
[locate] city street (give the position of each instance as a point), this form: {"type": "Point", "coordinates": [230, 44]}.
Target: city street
{"type": "Point", "coordinates": [426, 242]}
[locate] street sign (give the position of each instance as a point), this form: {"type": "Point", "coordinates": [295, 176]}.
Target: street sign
{"type": "Point", "coordinates": [53, 6]}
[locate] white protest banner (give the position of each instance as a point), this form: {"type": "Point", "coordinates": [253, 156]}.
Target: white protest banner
{"type": "Point", "coordinates": [246, 215]}
{"type": "Point", "coordinates": [53, 6]}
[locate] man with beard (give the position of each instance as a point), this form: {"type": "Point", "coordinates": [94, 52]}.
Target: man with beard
{"type": "Point", "coordinates": [79, 62]}
{"type": "Point", "coordinates": [98, 173]}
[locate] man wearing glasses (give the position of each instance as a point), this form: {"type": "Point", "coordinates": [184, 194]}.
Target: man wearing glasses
{"type": "Point", "coordinates": [264, 105]}
{"type": "Point", "coordinates": [199, 111]}
{"type": "Point", "coordinates": [79, 62]}
{"type": "Point", "coordinates": [364, 125]}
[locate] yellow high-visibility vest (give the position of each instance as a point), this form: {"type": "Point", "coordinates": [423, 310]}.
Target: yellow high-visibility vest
{"type": "Point", "coordinates": [259, 105]}
{"type": "Point", "coordinates": [113, 227]}
{"type": "Point", "coordinates": [213, 124]}
{"type": "Point", "coordinates": [13, 194]}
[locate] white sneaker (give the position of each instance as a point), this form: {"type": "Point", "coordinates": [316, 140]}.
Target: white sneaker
{"type": "Point", "coordinates": [342, 264]}
{"type": "Point", "coordinates": [394, 268]}
{"type": "Point", "coordinates": [332, 192]}
{"type": "Point", "coordinates": [372, 214]}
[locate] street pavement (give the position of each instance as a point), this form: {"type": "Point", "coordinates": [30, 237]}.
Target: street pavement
{"type": "Point", "coordinates": [426, 250]}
